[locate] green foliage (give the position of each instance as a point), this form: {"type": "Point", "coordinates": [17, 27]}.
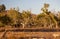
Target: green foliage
{"type": "Point", "coordinates": [5, 20]}
{"type": "Point", "coordinates": [14, 15]}
{"type": "Point", "coordinates": [2, 7]}
{"type": "Point", "coordinates": [15, 18]}
{"type": "Point", "coordinates": [40, 15]}
{"type": "Point", "coordinates": [26, 14]}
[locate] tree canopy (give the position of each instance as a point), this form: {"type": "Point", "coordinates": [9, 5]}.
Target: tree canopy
{"type": "Point", "coordinates": [24, 19]}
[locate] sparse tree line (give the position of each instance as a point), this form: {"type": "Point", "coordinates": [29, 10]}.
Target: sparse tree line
{"type": "Point", "coordinates": [14, 18]}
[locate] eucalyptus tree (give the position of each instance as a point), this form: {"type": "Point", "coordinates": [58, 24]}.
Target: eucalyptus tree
{"type": "Point", "coordinates": [48, 13]}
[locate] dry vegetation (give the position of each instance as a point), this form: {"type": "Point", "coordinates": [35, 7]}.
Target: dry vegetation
{"type": "Point", "coordinates": [25, 19]}
{"type": "Point", "coordinates": [14, 18]}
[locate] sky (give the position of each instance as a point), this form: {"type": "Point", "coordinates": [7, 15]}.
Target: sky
{"type": "Point", "coordinates": [33, 5]}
